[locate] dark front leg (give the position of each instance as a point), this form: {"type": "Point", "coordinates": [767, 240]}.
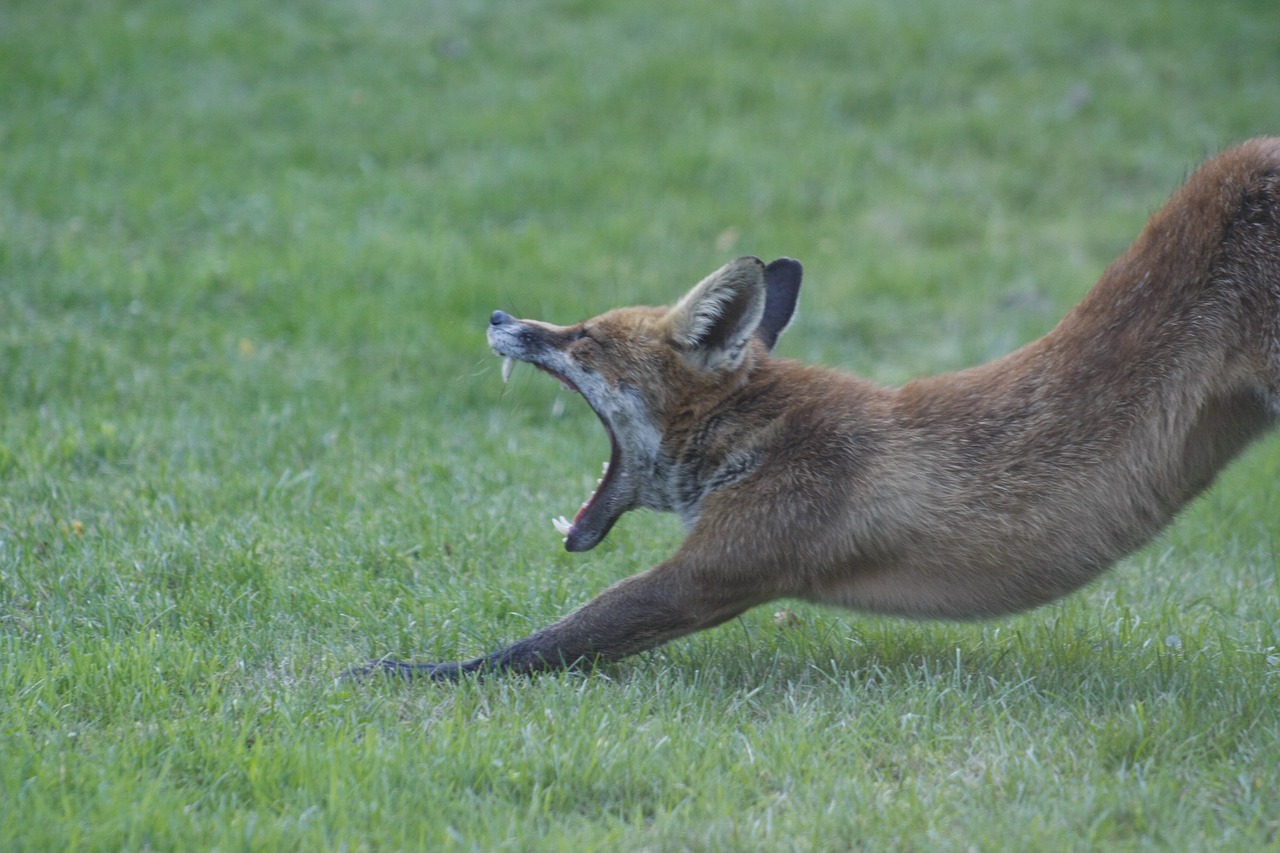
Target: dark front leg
{"type": "Point", "coordinates": [635, 614]}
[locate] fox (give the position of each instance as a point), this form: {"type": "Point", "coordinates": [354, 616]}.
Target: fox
{"type": "Point", "coordinates": [967, 495]}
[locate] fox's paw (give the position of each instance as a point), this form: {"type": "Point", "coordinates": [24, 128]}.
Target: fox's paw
{"type": "Point", "coordinates": [403, 669]}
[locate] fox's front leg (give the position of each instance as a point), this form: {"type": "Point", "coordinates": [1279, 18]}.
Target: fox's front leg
{"type": "Point", "coordinates": [675, 598]}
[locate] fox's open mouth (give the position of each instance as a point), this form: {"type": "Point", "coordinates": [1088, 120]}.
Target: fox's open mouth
{"type": "Point", "coordinates": [598, 513]}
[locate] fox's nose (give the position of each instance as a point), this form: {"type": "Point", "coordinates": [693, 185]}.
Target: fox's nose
{"type": "Point", "coordinates": [499, 318]}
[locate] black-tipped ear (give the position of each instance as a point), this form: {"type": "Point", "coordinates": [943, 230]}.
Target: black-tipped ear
{"type": "Point", "coordinates": [782, 288]}
{"type": "Point", "coordinates": [713, 323]}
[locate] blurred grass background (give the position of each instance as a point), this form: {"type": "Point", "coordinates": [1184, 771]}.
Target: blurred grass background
{"type": "Point", "coordinates": [252, 433]}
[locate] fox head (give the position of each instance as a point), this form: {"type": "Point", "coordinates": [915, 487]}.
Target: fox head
{"type": "Point", "coordinates": [648, 373]}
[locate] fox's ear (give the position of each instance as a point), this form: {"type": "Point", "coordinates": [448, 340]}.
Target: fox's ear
{"type": "Point", "coordinates": [714, 322]}
{"type": "Point", "coordinates": [782, 287]}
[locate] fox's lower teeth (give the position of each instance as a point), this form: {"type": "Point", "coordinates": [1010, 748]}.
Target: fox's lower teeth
{"type": "Point", "coordinates": [564, 525]}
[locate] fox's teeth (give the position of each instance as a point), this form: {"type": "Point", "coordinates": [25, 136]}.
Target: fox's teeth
{"type": "Point", "coordinates": [506, 369]}
{"type": "Point", "coordinates": [562, 525]}
{"type": "Point", "coordinates": [604, 468]}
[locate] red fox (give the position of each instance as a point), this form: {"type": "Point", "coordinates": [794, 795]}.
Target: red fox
{"type": "Point", "coordinates": [967, 495]}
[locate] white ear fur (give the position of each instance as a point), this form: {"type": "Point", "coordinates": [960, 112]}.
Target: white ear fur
{"type": "Point", "coordinates": [714, 322]}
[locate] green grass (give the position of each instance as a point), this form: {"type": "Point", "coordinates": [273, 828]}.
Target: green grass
{"type": "Point", "coordinates": [252, 434]}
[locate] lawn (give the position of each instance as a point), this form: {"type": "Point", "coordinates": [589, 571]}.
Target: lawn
{"type": "Point", "coordinates": [252, 434]}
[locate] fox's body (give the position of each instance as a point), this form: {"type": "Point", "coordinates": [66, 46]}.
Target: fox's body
{"type": "Point", "coordinates": [977, 493]}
